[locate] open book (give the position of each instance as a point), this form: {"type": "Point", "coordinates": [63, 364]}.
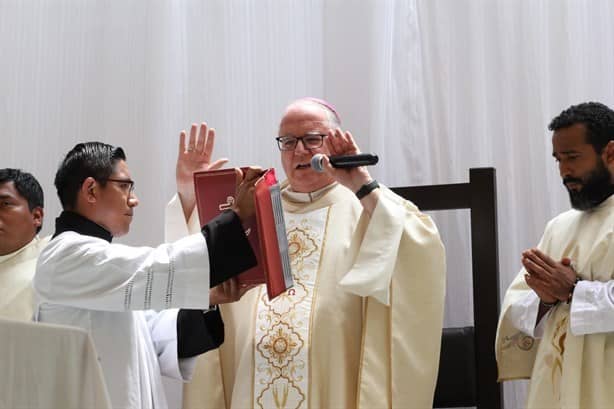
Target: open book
{"type": "Point", "coordinates": [266, 231]}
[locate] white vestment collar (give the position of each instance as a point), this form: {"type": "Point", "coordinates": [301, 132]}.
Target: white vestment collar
{"type": "Point", "coordinates": [299, 197]}
{"type": "Point", "coordinates": [32, 243]}
{"type": "Point", "coordinates": [609, 202]}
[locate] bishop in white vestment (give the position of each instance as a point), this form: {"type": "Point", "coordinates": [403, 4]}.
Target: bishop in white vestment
{"type": "Point", "coordinates": [362, 325]}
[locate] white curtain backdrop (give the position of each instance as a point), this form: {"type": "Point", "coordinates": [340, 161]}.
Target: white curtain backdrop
{"type": "Point", "coordinates": [434, 87]}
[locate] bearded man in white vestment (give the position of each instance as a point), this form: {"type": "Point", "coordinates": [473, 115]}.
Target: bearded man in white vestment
{"type": "Point", "coordinates": [362, 325]}
{"type": "Point", "coordinates": [127, 297]}
{"type": "Point", "coordinates": [557, 321]}
{"type": "Point", "coordinates": [21, 219]}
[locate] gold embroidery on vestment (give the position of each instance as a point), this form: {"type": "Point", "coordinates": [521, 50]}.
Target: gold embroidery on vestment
{"type": "Point", "coordinates": [282, 330]}
{"type": "Point", "coordinates": [519, 340]}
{"type": "Point", "coordinates": [556, 358]}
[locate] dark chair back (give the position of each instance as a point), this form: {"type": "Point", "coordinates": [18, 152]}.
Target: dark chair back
{"type": "Point", "coordinates": [467, 367]}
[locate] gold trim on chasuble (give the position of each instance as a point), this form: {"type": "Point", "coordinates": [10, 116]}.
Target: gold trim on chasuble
{"type": "Point", "coordinates": [281, 345]}
{"type": "Point", "coordinates": [554, 358]}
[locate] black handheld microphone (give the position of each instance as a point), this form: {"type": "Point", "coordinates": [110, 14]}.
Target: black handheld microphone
{"type": "Point", "coordinates": [344, 161]}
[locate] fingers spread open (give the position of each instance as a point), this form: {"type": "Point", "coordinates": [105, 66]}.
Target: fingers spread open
{"type": "Point", "coordinates": [202, 138]}
{"type": "Point", "coordinates": [218, 164]}
{"type": "Point", "coordinates": [192, 139]}
{"type": "Point", "coordinates": [182, 135]}
{"type": "Point", "coordinates": [209, 144]}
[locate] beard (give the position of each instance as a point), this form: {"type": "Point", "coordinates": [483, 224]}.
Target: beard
{"type": "Point", "coordinates": [596, 187]}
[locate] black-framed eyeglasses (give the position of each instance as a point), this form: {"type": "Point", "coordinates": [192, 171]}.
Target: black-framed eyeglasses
{"type": "Point", "coordinates": [310, 141]}
{"type": "Point", "coordinates": [124, 184]}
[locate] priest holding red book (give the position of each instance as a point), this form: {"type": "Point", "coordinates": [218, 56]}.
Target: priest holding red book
{"type": "Point", "coordinates": [146, 309]}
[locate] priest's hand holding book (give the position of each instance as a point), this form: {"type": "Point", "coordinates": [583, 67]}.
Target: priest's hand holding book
{"type": "Point", "coordinates": [232, 290]}
{"type": "Point", "coordinates": [229, 291]}
{"type": "Point", "coordinates": [243, 204]}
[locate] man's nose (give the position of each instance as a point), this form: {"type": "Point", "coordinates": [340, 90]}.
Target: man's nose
{"type": "Point", "coordinates": [133, 200]}
{"type": "Point", "coordinates": [564, 169]}
{"type": "Point", "coordinates": [300, 147]}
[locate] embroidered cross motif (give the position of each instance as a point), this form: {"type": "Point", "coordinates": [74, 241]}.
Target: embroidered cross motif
{"type": "Point", "coordinates": [225, 206]}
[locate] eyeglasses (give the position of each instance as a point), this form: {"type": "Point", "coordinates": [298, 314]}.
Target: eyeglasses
{"type": "Point", "coordinates": [310, 141]}
{"type": "Point", "coordinates": [124, 184]}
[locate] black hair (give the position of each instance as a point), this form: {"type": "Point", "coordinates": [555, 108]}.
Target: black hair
{"type": "Point", "coordinates": [596, 117]}
{"type": "Point", "coordinates": [26, 185]}
{"type": "Point", "coordinates": [95, 159]}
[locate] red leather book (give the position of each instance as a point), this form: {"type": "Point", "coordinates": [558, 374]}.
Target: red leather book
{"type": "Point", "coordinates": [266, 231]}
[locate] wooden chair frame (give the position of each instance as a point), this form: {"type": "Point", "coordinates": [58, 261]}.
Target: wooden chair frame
{"type": "Point", "coordinates": [480, 197]}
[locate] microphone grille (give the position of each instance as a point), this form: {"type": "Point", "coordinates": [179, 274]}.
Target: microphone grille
{"type": "Point", "coordinates": [316, 162]}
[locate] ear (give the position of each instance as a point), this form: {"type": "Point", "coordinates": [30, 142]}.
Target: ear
{"type": "Point", "coordinates": [89, 190]}
{"type": "Point", "coordinates": [607, 155]}
{"type": "Point", "coordinates": [37, 216]}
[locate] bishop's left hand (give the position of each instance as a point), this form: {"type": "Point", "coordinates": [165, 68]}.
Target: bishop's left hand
{"type": "Point", "coordinates": [342, 143]}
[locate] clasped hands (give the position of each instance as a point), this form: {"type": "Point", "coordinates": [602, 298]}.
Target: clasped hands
{"type": "Point", "coordinates": [552, 281]}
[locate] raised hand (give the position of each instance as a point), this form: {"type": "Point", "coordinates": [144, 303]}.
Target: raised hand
{"type": "Point", "coordinates": [194, 157]}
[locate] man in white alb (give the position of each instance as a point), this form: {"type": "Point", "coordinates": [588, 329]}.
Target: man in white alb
{"type": "Point", "coordinates": [557, 321]}
{"type": "Point", "coordinates": [127, 297]}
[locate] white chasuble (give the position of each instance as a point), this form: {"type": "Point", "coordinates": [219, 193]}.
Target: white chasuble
{"type": "Point", "coordinates": [360, 329]}
{"type": "Point", "coordinates": [16, 273]}
{"type": "Point", "coordinates": [570, 366]}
